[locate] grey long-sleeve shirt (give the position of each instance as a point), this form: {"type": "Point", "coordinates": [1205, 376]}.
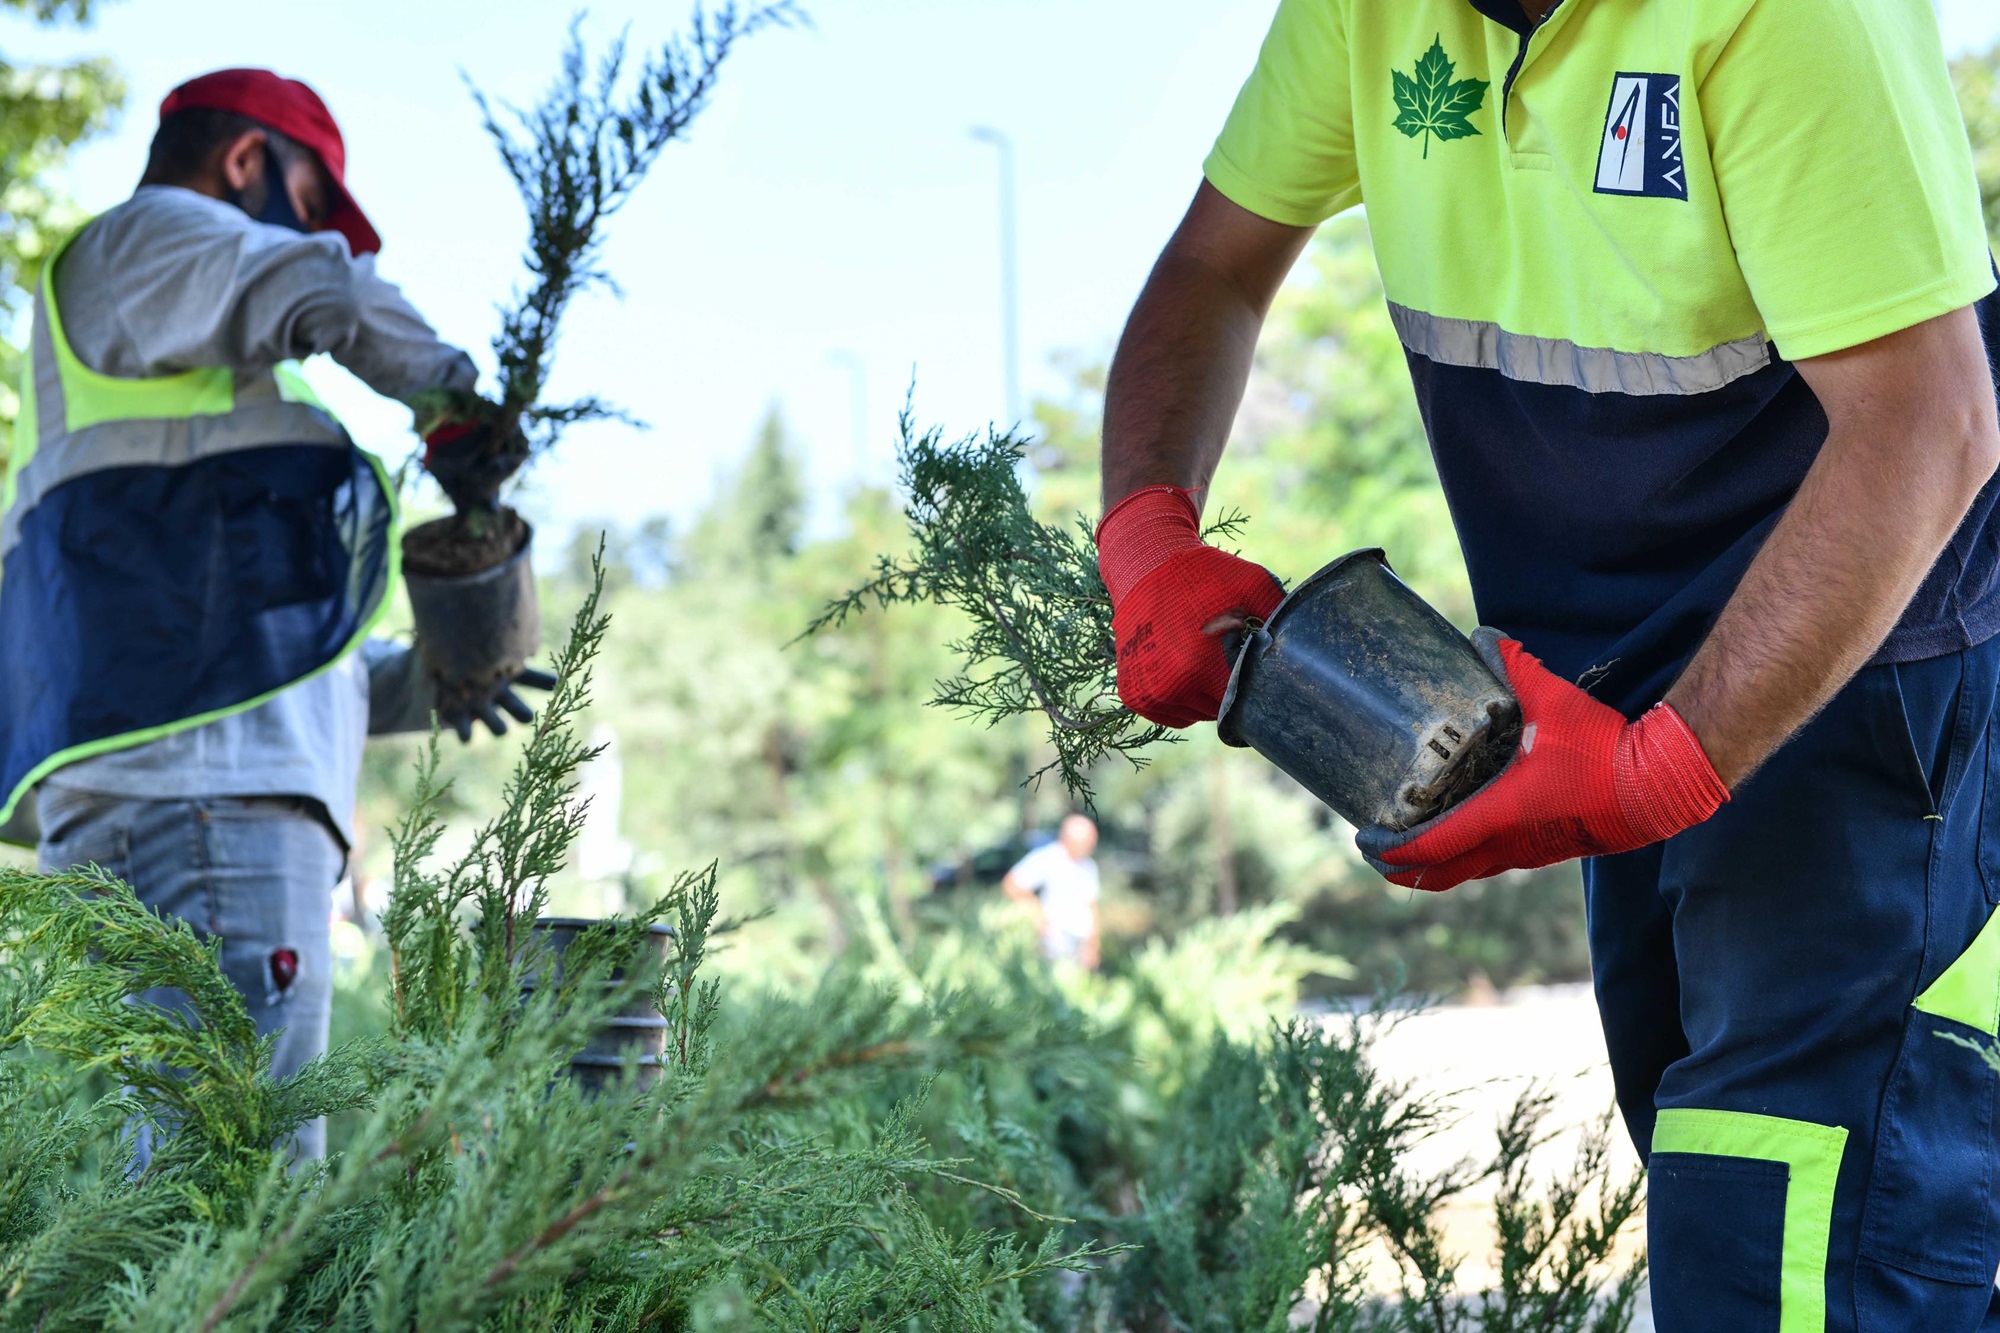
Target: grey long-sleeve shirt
{"type": "Point", "coordinates": [172, 280]}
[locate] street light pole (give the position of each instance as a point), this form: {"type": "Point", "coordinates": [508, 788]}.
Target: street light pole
{"type": "Point", "coordinates": [1010, 296]}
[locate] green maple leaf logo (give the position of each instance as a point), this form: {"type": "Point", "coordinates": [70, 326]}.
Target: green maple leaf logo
{"type": "Point", "coordinates": [1432, 104]}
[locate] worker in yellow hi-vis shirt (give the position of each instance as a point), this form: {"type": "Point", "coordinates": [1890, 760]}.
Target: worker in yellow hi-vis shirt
{"type": "Point", "coordinates": [1698, 304]}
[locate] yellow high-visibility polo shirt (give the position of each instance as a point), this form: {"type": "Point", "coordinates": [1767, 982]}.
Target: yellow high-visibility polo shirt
{"type": "Point", "coordinates": [1603, 238]}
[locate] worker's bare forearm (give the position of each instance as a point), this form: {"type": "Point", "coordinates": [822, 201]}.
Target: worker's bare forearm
{"type": "Point", "coordinates": [1176, 381]}
{"type": "Point", "coordinates": [1912, 440]}
{"type": "Point", "coordinates": [1185, 355]}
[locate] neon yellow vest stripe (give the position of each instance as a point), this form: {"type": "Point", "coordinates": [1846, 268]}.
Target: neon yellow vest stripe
{"type": "Point", "coordinates": [72, 418]}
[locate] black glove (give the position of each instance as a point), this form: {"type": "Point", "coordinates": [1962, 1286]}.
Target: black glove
{"type": "Point", "coordinates": [459, 709]}
{"type": "Point", "coordinates": [403, 695]}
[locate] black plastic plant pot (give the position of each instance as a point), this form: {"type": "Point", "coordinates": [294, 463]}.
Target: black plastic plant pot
{"type": "Point", "coordinates": [1369, 698]}
{"type": "Point", "coordinates": [636, 1034]}
{"type": "Point", "coordinates": [477, 631]}
{"type": "Point", "coordinates": [622, 1041]}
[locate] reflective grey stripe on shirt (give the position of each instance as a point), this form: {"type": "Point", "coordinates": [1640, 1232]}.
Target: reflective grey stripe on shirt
{"type": "Point", "coordinates": [1485, 346]}
{"type": "Point", "coordinates": [260, 418]}
{"type": "Point", "coordinates": [161, 442]}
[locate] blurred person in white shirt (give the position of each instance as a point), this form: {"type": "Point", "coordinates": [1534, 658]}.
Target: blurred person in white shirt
{"type": "Point", "coordinates": [1058, 885]}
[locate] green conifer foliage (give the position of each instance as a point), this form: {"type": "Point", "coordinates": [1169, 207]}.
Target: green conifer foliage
{"type": "Point", "coordinates": [575, 158]}
{"type": "Point", "coordinates": [1040, 639]}
{"type": "Point", "coordinates": [945, 1138]}
{"type": "Point", "coordinates": [482, 1190]}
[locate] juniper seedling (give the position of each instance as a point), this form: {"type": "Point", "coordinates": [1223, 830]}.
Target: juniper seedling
{"type": "Point", "coordinates": [575, 158]}
{"type": "Point", "coordinates": [1041, 639]}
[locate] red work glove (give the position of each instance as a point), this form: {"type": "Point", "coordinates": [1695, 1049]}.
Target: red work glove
{"type": "Point", "coordinates": [1166, 584]}
{"type": "Point", "coordinates": [1585, 782]}
{"type": "Point", "coordinates": [443, 437]}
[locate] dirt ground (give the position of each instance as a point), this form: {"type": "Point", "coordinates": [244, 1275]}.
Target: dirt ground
{"type": "Point", "coordinates": [1483, 1055]}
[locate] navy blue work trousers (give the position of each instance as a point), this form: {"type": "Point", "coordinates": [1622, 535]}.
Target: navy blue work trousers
{"type": "Point", "coordinates": [1785, 992]}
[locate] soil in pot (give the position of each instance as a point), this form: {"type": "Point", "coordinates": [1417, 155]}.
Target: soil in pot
{"type": "Point", "coordinates": [461, 545]}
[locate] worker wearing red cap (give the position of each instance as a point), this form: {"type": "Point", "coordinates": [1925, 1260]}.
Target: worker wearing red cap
{"type": "Point", "coordinates": [193, 550]}
{"type": "Point", "coordinates": [257, 99]}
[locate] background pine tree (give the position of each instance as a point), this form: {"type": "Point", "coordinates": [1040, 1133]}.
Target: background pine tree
{"type": "Point", "coordinates": [1978, 81]}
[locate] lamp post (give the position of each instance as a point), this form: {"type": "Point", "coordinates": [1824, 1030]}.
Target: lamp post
{"type": "Point", "coordinates": [1010, 311]}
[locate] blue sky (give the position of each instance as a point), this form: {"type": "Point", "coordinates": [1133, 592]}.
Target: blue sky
{"type": "Point", "coordinates": [831, 202]}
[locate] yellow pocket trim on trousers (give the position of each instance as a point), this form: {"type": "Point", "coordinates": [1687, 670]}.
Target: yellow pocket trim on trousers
{"type": "Point", "coordinates": [1812, 1153]}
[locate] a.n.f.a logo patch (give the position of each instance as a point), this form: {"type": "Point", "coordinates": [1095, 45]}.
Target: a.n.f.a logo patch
{"type": "Point", "coordinates": [1642, 138]}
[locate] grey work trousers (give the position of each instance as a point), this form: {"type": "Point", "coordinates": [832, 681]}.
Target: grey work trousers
{"type": "Point", "coordinates": [256, 871]}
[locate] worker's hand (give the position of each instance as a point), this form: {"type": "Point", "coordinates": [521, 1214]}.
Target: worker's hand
{"type": "Point", "coordinates": [459, 709]}
{"type": "Point", "coordinates": [472, 457]}
{"type": "Point", "coordinates": [1585, 782]}
{"type": "Point", "coordinates": [1173, 600]}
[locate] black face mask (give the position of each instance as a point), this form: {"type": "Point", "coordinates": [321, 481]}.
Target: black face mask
{"type": "Point", "coordinates": [277, 210]}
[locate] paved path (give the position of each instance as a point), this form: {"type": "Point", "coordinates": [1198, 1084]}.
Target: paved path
{"type": "Point", "coordinates": [1482, 1057]}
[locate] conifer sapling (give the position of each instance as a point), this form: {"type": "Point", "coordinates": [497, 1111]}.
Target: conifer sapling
{"type": "Point", "coordinates": [575, 157]}
{"type": "Point", "coordinates": [1040, 641]}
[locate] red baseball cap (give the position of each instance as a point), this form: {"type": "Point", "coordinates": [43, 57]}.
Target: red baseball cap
{"type": "Point", "coordinates": [295, 111]}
